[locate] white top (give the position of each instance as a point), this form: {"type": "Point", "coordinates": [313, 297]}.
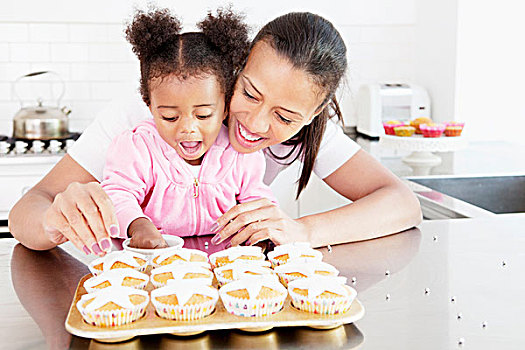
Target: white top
{"type": "Point", "coordinates": [90, 149]}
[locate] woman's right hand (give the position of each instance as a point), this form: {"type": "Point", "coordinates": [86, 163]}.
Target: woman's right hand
{"type": "Point", "coordinates": [84, 215]}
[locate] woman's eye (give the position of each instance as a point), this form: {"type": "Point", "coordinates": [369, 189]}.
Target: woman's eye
{"type": "Point", "coordinates": [248, 95]}
{"type": "Point", "coordinates": [204, 116]}
{"type": "Point", "coordinates": [170, 119]}
{"type": "Point", "coordinates": [283, 119]}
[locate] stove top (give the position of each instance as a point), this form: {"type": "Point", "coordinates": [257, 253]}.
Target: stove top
{"type": "Point", "coordinates": [12, 147]}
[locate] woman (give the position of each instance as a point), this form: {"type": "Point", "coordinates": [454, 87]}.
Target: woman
{"type": "Point", "coordinates": [282, 102]}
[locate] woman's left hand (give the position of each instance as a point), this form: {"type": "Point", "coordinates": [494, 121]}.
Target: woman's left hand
{"type": "Point", "coordinates": [258, 220]}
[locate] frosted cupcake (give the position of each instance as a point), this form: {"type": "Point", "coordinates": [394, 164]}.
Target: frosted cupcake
{"type": "Point", "coordinates": [254, 296]}
{"type": "Point", "coordinates": [404, 131]}
{"type": "Point", "coordinates": [113, 306]}
{"type": "Point", "coordinates": [283, 253]}
{"type": "Point", "coordinates": [241, 269]}
{"type": "Point", "coordinates": [119, 260]}
{"type": "Point", "coordinates": [300, 268]}
{"type": "Point", "coordinates": [322, 295]}
{"type": "Point", "coordinates": [184, 300]}
{"type": "Point", "coordinates": [161, 275]}
{"type": "Point", "coordinates": [390, 125]}
{"type": "Point", "coordinates": [177, 255]}
{"type": "Point", "coordinates": [229, 255]}
{"type": "Point", "coordinates": [453, 128]}
{"type": "Point", "coordinates": [432, 130]}
{"type": "Point", "coordinates": [117, 277]}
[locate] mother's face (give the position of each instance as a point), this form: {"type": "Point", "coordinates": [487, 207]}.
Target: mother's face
{"type": "Point", "coordinates": [271, 102]}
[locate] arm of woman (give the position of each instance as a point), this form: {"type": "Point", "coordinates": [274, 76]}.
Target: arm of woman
{"type": "Point", "coordinates": [67, 204]}
{"type": "Point", "coordinates": [381, 205]}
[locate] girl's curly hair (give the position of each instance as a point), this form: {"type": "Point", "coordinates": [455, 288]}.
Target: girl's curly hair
{"type": "Point", "coordinates": [219, 49]}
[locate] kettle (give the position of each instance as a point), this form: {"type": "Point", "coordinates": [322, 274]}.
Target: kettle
{"type": "Point", "coordinates": [41, 122]}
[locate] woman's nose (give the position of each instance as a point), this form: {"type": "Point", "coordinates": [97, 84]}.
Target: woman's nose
{"type": "Point", "coordinates": [257, 121]}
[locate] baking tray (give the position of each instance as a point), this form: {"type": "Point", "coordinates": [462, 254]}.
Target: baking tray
{"type": "Point", "coordinates": [150, 323]}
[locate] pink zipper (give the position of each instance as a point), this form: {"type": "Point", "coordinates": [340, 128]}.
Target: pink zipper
{"type": "Point", "coordinates": [197, 207]}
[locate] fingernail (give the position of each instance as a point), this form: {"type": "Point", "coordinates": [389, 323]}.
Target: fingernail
{"type": "Point", "coordinates": [248, 242]}
{"type": "Point", "coordinates": [215, 240]}
{"type": "Point", "coordinates": [86, 250]}
{"type": "Point", "coordinates": [96, 249]}
{"type": "Point", "coordinates": [214, 227]}
{"type": "Point", "coordinates": [105, 244]}
{"type": "Point", "coordinates": [229, 245]}
{"type": "Point", "coordinates": [113, 230]}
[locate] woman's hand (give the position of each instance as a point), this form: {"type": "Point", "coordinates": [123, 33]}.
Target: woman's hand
{"type": "Point", "coordinates": [145, 235]}
{"type": "Point", "coordinates": [255, 221]}
{"type": "Point", "coordinates": [84, 215]}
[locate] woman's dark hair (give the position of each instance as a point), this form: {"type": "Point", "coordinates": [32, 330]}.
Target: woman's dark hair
{"type": "Point", "coordinates": [312, 44]}
{"type": "Point", "coordinates": [219, 49]}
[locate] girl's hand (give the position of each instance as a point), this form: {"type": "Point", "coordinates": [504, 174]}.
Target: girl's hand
{"type": "Point", "coordinates": [255, 221]}
{"type": "Point", "coordinates": [84, 215]}
{"type": "Point", "coordinates": [145, 235]}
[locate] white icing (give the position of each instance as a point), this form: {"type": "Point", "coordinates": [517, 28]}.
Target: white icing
{"type": "Point", "coordinates": [117, 294]}
{"type": "Point", "coordinates": [234, 253]}
{"type": "Point", "coordinates": [115, 277]}
{"type": "Point", "coordinates": [286, 247]}
{"type": "Point", "coordinates": [184, 253]}
{"type": "Point", "coordinates": [296, 252]}
{"type": "Point", "coordinates": [185, 289]}
{"type": "Point", "coordinates": [319, 284]}
{"type": "Point", "coordinates": [240, 267]}
{"type": "Point", "coordinates": [253, 285]}
{"type": "Point", "coordinates": [306, 268]}
{"type": "Point", "coordinates": [180, 270]}
{"type": "Point", "coordinates": [123, 256]}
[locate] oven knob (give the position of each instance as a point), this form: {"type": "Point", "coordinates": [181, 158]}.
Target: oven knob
{"type": "Point", "coordinates": [69, 144]}
{"type": "Point", "coordinates": [4, 147]}
{"type": "Point", "coordinates": [54, 146]}
{"type": "Point", "coordinates": [37, 146]}
{"type": "Point", "coordinates": [20, 147]}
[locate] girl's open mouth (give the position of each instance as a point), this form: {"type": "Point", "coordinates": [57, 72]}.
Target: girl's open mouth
{"type": "Point", "coordinates": [190, 149]}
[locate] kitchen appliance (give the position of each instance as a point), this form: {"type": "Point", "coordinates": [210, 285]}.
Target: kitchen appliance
{"type": "Point", "coordinates": [40, 122]}
{"type": "Point", "coordinates": [379, 102]}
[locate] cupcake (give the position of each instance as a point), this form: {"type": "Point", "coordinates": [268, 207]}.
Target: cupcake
{"type": "Point", "coordinates": [432, 130]}
{"type": "Point", "coordinates": [161, 275]}
{"type": "Point", "coordinates": [113, 306]}
{"type": "Point", "coordinates": [453, 128]}
{"type": "Point", "coordinates": [240, 269]}
{"type": "Point", "coordinates": [119, 260]}
{"type": "Point", "coordinates": [184, 300]}
{"type": "Point", "coordinates": [283, 253]}
{"type": "Point", "coordinates": [404, 131]}
{"type": "Point", "coordinates": [117, 277]}
{"type": "Point", "coordinates": [390, 125]}
{"type": "Point", "coordinates": [322, 295]}
{"type": "Point", "coordinates": [177, 255]}
{"type": "Point", "coordinates": [300, 268]}
{"type": "Point", "coordinates": [254, 296]}
{"type": "Point", "coordinates": [229, 255]}
{"type": "Point", "coordinates": [418, 121]}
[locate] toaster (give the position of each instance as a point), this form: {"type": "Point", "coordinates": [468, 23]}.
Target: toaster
{"type": "Point", "coordinates": [380, 102]}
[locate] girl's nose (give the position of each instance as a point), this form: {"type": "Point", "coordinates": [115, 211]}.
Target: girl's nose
{"type": "Point", "coordinates": [188, 125]}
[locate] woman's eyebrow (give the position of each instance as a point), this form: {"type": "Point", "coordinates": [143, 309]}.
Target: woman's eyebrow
{"type": "Point", "coordinates": [253, 86]}
{"type": "Point", "coordinates": [194, 106]}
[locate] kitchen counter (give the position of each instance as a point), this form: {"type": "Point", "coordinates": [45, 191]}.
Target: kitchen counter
{"type": "Point", "coordinates": [444, 285]}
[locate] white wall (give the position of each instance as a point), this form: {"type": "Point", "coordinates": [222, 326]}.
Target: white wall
{"type": "Point", "coordinates": [83, 42]}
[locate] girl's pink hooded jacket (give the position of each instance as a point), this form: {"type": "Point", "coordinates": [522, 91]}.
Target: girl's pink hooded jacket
{"type": "Point", "coordinates": [145, 177]}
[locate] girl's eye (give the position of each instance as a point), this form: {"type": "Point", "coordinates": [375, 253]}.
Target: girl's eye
{"type": "Point", "coordinates": [170, 119]}
{"type": "Point", "coordinates": [204, 116]}
{"type": "Point", "coordinates": [248, 95]}
{"type": "Point", "coordinates": [283, 119]}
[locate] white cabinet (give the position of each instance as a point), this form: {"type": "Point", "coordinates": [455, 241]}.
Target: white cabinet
{"type": "Point", "coordinates": [18, 175]}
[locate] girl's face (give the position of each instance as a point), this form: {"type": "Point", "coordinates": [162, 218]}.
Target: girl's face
{"type": "Point", "coordinates": [188, 113]}
{"type": "Point", "coordinates": [271, 102]}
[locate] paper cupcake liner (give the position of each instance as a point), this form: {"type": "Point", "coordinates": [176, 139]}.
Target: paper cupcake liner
{"type": "Point", "coordinates": [157, 284]}
{"type": "Point", "coordinates": [252, 308]}
{"type": "Point", "coordinates": [323, 306]}
{"type": "Point", "coordinates": [184, 313]}
{"type": "Point", "coordinates": [113, 318]}
{"type": "Point", "coordinates": [285, 279]}
{"type": "Point", "coordinates": [138, 286]}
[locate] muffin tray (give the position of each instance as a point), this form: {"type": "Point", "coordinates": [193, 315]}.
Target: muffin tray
{"type": "Point", "coordinates": [150, 323]}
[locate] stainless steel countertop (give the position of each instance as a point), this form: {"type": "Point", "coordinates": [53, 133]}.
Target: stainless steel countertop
{"type": "Point", "coordinates": [444, 285]}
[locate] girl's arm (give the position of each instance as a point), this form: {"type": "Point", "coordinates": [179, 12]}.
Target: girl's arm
{"type": "Point", "coordinates": [382, 205]}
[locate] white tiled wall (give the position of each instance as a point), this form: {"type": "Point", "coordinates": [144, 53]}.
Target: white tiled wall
{"type": "Point", "coordinates": [83, 42]}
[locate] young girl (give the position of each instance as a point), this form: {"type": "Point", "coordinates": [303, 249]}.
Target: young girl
{"type": "Point", "coordinates": [178, 173]}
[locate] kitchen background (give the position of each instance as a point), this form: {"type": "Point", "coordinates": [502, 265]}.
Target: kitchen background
{"type": "Point", "coordinates": [468, 54]}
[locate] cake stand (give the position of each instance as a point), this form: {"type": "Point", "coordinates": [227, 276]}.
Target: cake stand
{"type": "Point", "coordinates": [422, 159]}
